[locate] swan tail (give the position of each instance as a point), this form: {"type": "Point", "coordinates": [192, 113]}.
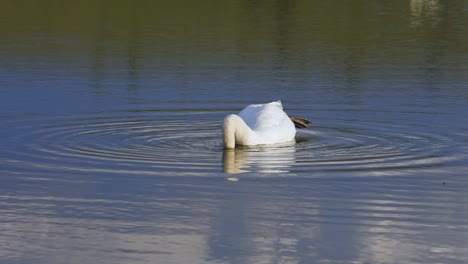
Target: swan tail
{"type": "Point", "coordinates": [300, 122]}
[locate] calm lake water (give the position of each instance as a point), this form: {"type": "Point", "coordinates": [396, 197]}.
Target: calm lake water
{"type": "Point", "coordinates": [111, 148]}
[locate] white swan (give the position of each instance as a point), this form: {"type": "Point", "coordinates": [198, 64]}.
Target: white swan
{"type": "Point", "coordinates": [260, 124]}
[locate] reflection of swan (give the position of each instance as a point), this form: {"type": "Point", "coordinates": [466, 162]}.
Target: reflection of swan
{"type": "Point", "coordinates": [261, 124]}
{"type": "Point", "coordinates": [272, 159]}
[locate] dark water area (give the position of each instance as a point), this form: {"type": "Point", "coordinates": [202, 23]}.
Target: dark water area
{"type": "Point", "coordinates": [111, 147]}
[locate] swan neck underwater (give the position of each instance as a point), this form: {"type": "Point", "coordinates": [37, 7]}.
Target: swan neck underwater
{"type": "Point", "coordinates": [235, 131]}
{"type": "Point", "coordinates": [261, 124]}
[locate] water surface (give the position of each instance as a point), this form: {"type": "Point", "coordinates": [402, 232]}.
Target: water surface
{"type": "Point", "coordinates": [111, 147]}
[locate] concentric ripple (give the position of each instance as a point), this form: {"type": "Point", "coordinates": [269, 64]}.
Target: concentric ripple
{"type": "Point", "coordinates": [374, 147]}
{"type": "Point", "coordinates": [188, 143]}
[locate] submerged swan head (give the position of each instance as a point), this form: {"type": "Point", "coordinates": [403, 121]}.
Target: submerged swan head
{"type": "Point", "coordinates": [261, 124]}
{"type": "Point", "coordinates": [236, 131]}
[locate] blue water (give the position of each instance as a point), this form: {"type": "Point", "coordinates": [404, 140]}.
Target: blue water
{"type": "Point", "coordinates": [111, 147]}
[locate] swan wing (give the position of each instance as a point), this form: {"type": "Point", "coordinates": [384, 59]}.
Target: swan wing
{"type": "Point", "coordinates": [264, 116]}
{"type": "Point", "coordinates": [269, 123]}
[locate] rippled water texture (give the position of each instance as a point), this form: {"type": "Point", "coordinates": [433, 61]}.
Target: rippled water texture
{"type": "Point", "coordinates": [111, 145]}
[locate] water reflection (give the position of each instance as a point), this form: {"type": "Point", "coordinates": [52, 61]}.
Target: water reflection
{"type": "Point", "coordinates": [144, 219]}
{"type": "Point", "coordinates": [424, 10]}
{"type": "Point", "coordinates": [261, 159]}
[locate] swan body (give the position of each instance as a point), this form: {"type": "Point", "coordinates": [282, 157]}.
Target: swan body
{"type": "Point", "coordinates": [258, 124]}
